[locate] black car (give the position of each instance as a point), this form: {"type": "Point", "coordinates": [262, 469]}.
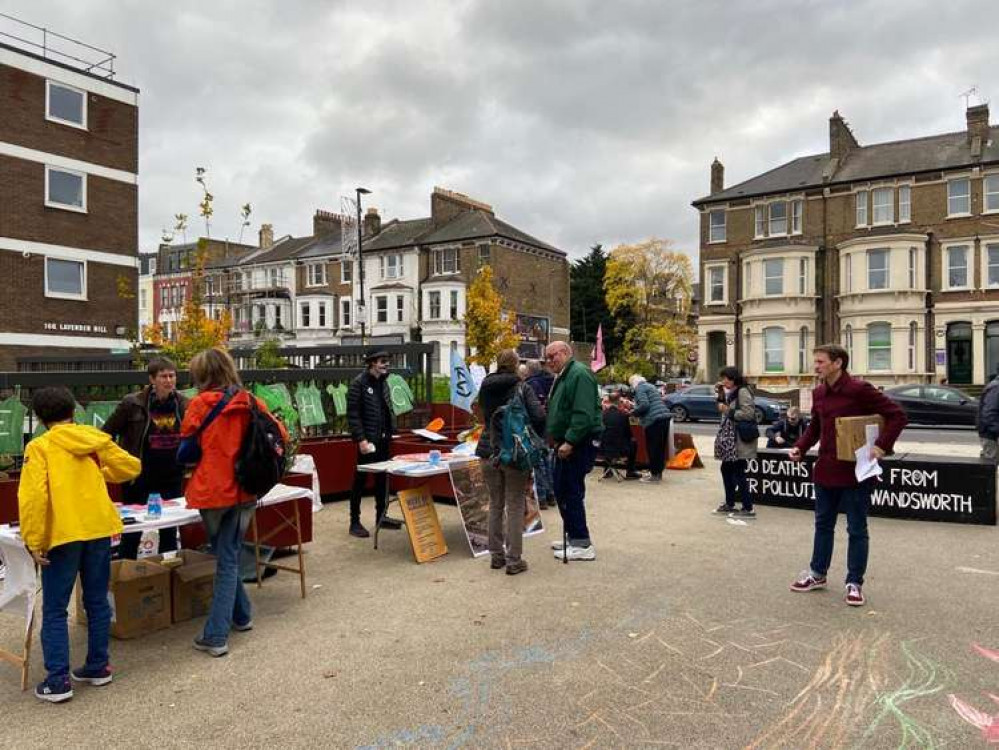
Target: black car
{"type": "Point", "coordinates": [935, 404]}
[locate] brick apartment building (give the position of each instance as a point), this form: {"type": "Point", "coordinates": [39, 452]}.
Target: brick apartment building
{"type": "Point", "coordinates": [891, 249]}
{"type": "Point", "coordinates": [68, 202]}
{"type": "Point", "coordinates": [304, 290]}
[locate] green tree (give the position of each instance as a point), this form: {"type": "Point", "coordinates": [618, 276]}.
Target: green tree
{"type": "Point", "coordinates": [589, 304]}
{"type": "Point", "coordinates": [487, 331]}
{"type": "Point", "coordinates": [268, 357]}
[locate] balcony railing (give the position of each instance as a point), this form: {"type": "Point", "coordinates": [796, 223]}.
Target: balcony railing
{"type": "Point", "coordinates": [41, 41]}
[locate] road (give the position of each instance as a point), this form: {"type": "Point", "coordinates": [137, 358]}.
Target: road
{"type": "Point", "coordinates": [913, 434]}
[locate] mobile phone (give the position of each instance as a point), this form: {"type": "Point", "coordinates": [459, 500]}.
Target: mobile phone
{"type": "Point", "coordinates": [129, 520]}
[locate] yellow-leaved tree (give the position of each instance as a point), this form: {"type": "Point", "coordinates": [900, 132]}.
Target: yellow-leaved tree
{"type": "Point", "coordinates": [195, 331]}
{"type": "Point", "coordinates": [486, 329]}
{"type": "Point", "coordinates": [652, 282]}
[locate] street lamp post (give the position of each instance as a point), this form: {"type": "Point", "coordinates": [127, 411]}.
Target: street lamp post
{"type": "Point", "coordinates": [362, 306]}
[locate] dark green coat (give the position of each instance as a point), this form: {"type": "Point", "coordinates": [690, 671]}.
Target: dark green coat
{"type": "Point", "coordinates": [574, 405]}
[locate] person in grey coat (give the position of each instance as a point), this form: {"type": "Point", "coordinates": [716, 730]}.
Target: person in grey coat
{"type": "Point", "coordinates": [654, 418]}
{"type": "Point", "coordinates": [735, 404]}
{"type": "Point", "coordinates": [988, 418]}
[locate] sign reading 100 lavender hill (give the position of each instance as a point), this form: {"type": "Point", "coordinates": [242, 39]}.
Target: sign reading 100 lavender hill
{"type": "Point", "coordinates": [925, 488]}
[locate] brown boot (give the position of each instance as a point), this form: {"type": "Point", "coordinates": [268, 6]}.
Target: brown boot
{"type": "Point", "coordinates": [497, 562]}
{"type": "Point", "coordinates": [515, 567]}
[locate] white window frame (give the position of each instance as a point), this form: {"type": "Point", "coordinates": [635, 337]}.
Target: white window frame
{"type": "Point", "coordinates": [886, 206]}
{"type": "Point", "coordinates": [278, 316]}
{"type": "Point", "coordinates": [802, 276]}
{"type": "Point", "coordinates": [454, 305]}
{"type": "Point", "coordinates": [886, 252]}
{"type": "Point", "coordinates": [440, 256]}
{"type": "Point", "coordinates": [904, 204]}
{"type": "Point", "coordinates": [767, 278]}
{"type": "Point", "coordinates": [913, 336]}
{"type": "Point", "coordinates": [400, 308]}
{"type": "Point", "coordinates": [803, 350]}
{"type": "Point", "coordinates": [913, 269]}
{"type": "Point", "coordinates": [345, 313]}
{"type": "Point", "coordinates": [719, 236]}
{"type": "Point", "coordinates": [760, 230]}
{"type": "Point", "coordinates": [709, 271]}
{"type": "Point", "coordinates": [390, 266]}
{"type": "Point", "coordinates": [947, 252]}
{"type": "Point", "coordinates": [316, 274]}
{"type": "Point", "coordinates": [747, 279]}
{"type": "Point", "coordinates": [484, 254]}
{"type": "Point", "coordinates": [381, 308]}
{"type": "Point", "coordinates": [848, 340]}
{"type": "Point", "coordinates": [861, 208]}
{"type": "Point", "coordinates": [305, 314]}
{"type": "Point", "coordinates": [54, 118]}
{"type": "Point", "coordinates": [848, 272]}
{"type": "Point", "coordinates": [772, 219]}
{"type": "Point", "coordinates": [346, 271]}
{"type": "Point", "coordinates": [431, 296]}
{"type": "Point", "coordinates": [870, 349]}
{"type": "Point", "coordinates": [989, 247]}
{"type": "Point", "coordinates": [993, 193]}
{"type": "Point", "coordinates": [769, 350]}
{"type": "Point", "coordinates": [66, 206]}
{"type": "Point", "coordinates": [951, 198]}
{"type": "Point", "coordinates": [82, 296]}
{"type": "Point", "coordinates": [797, 215]}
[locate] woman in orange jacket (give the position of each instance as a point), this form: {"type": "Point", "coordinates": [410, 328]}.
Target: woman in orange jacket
{"type": "Point", "coordinates": [226, 509]}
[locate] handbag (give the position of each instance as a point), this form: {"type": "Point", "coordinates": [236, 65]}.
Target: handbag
{"type": "Point", "coordinates": [189, 450]}
{"type": "Point", "coordinates": [748, 431]}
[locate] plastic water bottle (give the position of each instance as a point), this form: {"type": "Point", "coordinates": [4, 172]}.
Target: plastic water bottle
{"type": "Point", "coordinates": [154, 506]}
{"type": "Point", "coordinates": [435, 458]}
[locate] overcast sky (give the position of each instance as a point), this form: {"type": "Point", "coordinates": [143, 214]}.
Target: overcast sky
{"type": "Point", "coordinates": [579, 121]}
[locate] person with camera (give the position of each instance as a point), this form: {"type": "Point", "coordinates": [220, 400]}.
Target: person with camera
{"type": "Point", "coordinates": [736, 440]}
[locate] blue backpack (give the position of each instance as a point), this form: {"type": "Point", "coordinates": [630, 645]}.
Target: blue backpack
{"type": "Point", "coordinates": [519, 446]}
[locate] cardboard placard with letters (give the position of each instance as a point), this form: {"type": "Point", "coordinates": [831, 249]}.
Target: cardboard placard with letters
{"type": "Point", "coordinates": [422, 524]}
{"type": "Point", "coordinates": [850, 434]}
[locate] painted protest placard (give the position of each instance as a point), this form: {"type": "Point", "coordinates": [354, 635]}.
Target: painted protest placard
{"type": "Point", "coordinates": [927, 488]}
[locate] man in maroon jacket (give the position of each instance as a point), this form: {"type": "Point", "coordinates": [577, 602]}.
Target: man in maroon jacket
{"type": "Point", "coordinates": [836, 486]}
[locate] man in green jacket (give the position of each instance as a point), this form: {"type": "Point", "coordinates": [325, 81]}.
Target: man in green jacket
{"type": "Point", "coordinates": [575, 424]}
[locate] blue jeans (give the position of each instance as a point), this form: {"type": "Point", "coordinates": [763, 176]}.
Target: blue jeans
{"type": "Point", "coordinates": [570, 490]}
{"type": "Point", "coordinates": [92, 561]}
{"type": "Point", "coordinates": [226, 528]}
{"type": "Point", "coordinates": [829, 502]}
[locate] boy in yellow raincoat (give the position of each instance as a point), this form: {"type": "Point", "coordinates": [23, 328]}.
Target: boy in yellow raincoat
{"type": "Point", "coordinates": [67, 521]}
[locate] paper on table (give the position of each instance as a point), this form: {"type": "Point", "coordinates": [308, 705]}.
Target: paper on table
{"type": "Point", "coordinates": [867, 465]}
{"type": "Point", "coordinates": [429, 435]}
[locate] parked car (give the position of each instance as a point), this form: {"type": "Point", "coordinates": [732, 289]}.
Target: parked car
{"type": "Point", "coordinates": [606, 390]}
{"type": "Point", "coordinates": [935, 404]}
{"type": "Point", "coordinates": [699, 402]}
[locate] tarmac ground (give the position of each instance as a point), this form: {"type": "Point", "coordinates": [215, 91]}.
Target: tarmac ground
{"type": "Point", "coordinates": [682, 634]}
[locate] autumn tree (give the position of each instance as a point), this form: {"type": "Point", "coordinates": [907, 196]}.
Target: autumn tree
{"type": "Point", "coordinates": [487, 331]}
{"type": "Point", "coordinates": [650, 283]}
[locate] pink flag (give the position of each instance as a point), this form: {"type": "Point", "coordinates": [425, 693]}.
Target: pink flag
{"type": "Point", "coordinates": [599, 361]}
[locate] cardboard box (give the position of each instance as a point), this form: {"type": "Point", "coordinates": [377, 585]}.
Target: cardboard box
{"type": "Point", "coordinates": [192, 584]}
{"type": "Point", "coordinates": [850, 434]}
{"type": "Point", "coordinates": [139, 596]}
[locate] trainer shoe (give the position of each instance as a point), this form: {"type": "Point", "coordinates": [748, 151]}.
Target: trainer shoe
{"type": "Point", "coordinates": [632, 476]}
{"type": "Point", "coordinates": [854, 595]}
{"type": "Point", "coordinates": [577, 553]}
{"type": "Point", "coordinates": [724, 509]}
{"type": "Point", "coordinates": [651, 479]}
{"type": "Point", "coordinates": [359, 531]}
{"type": "Point", "coordinates": [744, 513]}
{"type": "Point", "coordinates": [54, 693]}
{"type": "Point", "coordinates": [557, 545]}
{"type": "Point", "coordinates": [202, 645]}
{"type": "Point", "coordinates": [808, 581]}
{"type": "Point", "coordinates": [92, 676]}
{"type": "Point", "coordinates": [245, 627]}
{"type": "Point", "coordinates": [391, 523]}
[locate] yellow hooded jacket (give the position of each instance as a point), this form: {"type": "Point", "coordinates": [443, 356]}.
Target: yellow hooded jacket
{"type": "Point", "coordinates": [63, 495]}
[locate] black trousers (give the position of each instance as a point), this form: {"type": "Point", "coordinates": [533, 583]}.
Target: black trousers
{"type": "Point", "coordinates": [360, 479]}
{"type": "Point", "coordinates": [137, 493]}
{"type": "Point", "coordinates": [655, 444]}
{"type": "Point", "coordinates": [735, 480]}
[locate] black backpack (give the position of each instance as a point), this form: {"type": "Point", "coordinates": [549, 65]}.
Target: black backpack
{"type": "Point", "coordinates": [262, 458]}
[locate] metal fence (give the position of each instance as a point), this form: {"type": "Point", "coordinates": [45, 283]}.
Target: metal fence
{"type": "Point", "coordinates": [325, 367]}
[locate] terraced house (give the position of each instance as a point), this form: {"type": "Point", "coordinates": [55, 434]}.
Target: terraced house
{"type": "Point", "coordinates": [69, 161]}
{"type": "Point", "coordinates": [891, 249]}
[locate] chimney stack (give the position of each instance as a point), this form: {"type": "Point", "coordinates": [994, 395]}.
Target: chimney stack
{"type": "Point", "coordinates": [266, 235]}
{"type": "Point", "coordinates": [717, 176]}
{"type": "Point", "coordinates": [372, 222]}
{"type": "Point", "coordinates": [978, 125]}
{"type": "Point", "coordinates": [841, 138]}
{"type": "Point", "coordinates": [445, 205]}
{"type": "Point", "coordinates": [325, 224]}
